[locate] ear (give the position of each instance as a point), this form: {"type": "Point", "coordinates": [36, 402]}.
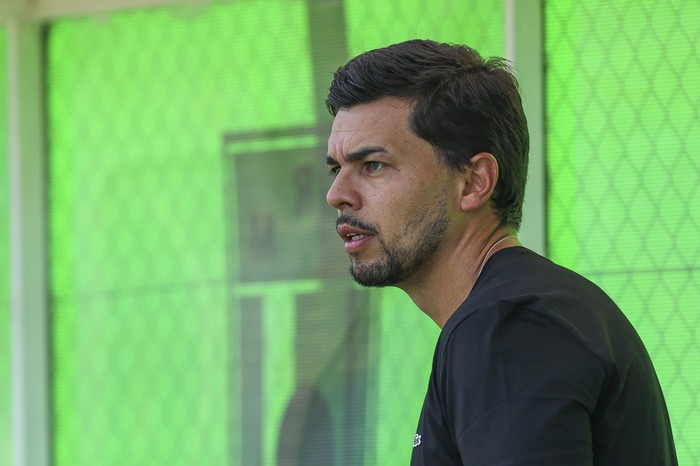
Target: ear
{"type": "Point", "coordinates": [478, 181]}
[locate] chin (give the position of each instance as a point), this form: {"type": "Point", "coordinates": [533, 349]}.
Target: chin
{"type": "Point", "coordinates": [373, 275]}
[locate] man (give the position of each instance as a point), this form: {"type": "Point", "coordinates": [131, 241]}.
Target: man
{"type": "Point", "coordinates": [535, 365]}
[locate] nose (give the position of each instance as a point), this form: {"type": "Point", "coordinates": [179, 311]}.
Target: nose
{"type": "Point", "coordinates": [342, 194]}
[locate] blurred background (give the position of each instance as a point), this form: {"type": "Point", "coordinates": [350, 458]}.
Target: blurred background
{"type": "Point", "coordinates": [172, 291]}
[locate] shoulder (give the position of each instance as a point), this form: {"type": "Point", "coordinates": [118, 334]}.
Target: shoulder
{"type": "Point", "coordinates": [520, 346]}
{"type": "Point", "coordinates": [526, 311]}
{"type": "Point", "coordinates": [537, 353]}
{"type": "Point", "coordinates": [522, 291]}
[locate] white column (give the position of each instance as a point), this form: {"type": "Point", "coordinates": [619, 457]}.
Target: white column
{"type": "Point", "coordinates": [28, 285]}
{"type": "Point", "coordinates": [525, 49]}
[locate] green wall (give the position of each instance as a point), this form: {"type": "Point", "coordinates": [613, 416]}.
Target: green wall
{"type": "Point", "coordinates": [623, 92]}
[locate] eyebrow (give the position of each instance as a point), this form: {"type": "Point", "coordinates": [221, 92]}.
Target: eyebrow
{"type": "Point", "coordinates": [357, 155]}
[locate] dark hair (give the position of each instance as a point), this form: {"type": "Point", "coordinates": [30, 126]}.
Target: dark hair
{"type": "Point", "coordinates": [463, 105]}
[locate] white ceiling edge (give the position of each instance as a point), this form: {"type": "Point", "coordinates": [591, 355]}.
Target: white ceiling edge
{"type": "Point", "coordinates": [40, 10]}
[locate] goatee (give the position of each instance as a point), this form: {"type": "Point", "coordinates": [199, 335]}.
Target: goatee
{"type": "Point", "coordinates": [397, 261]}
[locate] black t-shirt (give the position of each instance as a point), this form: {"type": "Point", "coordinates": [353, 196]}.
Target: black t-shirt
{"type": "Point", "coordinates": [539, 367]}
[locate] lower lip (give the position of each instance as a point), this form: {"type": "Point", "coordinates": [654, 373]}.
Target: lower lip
{"type": "Point", "coordinates": [354, 246]}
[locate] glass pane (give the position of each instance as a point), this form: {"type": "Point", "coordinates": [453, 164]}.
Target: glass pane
{"type": "Point", "coordinates": [202, 310]}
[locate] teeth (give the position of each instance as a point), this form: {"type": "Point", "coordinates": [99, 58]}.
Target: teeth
{"type": "Point", "coordinates": [355, 237]}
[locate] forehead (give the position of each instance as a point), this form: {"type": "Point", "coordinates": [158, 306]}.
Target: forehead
{"type": "Point", "coordinates": [380, 123]}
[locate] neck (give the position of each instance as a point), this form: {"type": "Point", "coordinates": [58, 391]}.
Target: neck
{"type": "Point", "coordinates": [444, 284]}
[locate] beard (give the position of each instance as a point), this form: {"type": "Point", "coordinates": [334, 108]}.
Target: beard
{"type": "Point", "coordinates": [401, 259]}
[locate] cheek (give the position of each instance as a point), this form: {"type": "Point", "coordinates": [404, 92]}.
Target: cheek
{"type": "Point", "coordinates": [388, 211]}
{"type": "Point", "coordinates": [401, 210]}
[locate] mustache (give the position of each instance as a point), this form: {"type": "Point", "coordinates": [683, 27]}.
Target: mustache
{"type": "Point", "coordinates": [355, 223]}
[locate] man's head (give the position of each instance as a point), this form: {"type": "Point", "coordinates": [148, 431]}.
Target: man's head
{"type": "Point", "coordinates": [462, 105]}
{"type": "Point", "coordinates": [398, 205]}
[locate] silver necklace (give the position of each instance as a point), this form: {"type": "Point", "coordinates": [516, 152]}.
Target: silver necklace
{"type": "Point", "coordinates": [488, 253]}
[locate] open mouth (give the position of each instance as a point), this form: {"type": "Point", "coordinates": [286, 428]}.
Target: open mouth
{"type": "Point", "coordinates": [354, 238]}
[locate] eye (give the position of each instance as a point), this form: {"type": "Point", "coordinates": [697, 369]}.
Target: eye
{"type": "Point", "coordinates": [333, 170]}
{"type": "Point", "coordinates": [374, 166]}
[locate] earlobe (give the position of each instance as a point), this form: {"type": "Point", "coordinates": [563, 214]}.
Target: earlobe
{"type": "Point", "coordinates": [479, 181]}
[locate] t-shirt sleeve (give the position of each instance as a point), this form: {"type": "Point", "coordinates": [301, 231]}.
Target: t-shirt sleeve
{"type": "Point", "coordinates": [519, 389]}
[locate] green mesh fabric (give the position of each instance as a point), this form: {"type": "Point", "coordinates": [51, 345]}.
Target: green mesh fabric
{"type": "Point", "coordinates": [138, 102]}
{"type": "Point", "coordinates": [376, 24]}
{"type": "Point", "coordinates": [623, 92]}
